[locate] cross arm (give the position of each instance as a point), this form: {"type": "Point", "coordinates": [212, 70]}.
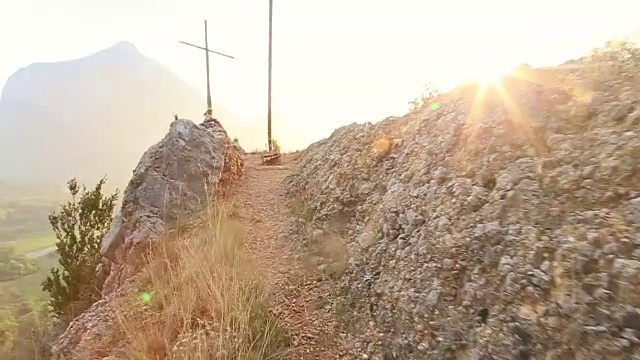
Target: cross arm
{"type": "Point", "coordinates": [205, 49]}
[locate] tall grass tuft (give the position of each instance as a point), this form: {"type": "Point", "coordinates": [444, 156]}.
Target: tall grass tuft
{"type": "Point", "coordinates": [201, 297]}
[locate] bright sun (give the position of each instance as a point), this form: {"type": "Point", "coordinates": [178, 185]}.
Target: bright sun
{"type": "Point", "coordinates": [487, 73]}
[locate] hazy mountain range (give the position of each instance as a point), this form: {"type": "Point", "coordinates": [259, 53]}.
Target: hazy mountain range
{"type": "Point", "coordinates": [91, 116]}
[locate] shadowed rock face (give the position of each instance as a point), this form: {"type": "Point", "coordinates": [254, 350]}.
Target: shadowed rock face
{"type": "Point", "coordinates": [176, 179]}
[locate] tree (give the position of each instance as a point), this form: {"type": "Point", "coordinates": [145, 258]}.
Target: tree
{"type": "Point", "coordinates": [34, 334]}
{"type": "Point", "coordinates": [8, 329]}
{"type": "Point", "coordinates": [79, 226]}
{"type": "Point", "coordinates": [26, 331]}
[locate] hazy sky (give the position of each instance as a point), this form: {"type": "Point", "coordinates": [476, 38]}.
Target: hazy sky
{"type": "Point", "coordinates": [335, 61]}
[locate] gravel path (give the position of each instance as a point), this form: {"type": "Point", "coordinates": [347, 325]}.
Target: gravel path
{"type": "Point", "coordinates": [265, 216]}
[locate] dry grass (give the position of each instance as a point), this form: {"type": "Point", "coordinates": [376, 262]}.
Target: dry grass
{"type": "Point", "coordinates": [299, 208]}
{"type": "Point", "coordinates": [201, 298]}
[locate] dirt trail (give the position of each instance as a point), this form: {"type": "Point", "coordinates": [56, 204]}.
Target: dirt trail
{"type": "Point", "coordinates": [265, 216]}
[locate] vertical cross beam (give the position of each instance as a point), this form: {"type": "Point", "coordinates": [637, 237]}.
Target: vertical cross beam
{"type": "Point", "coordinates": [269, 86]}
{"type": "Point", "coordinates": [206, 47]}
{"type": "Point", "coordinates": [207, 51]}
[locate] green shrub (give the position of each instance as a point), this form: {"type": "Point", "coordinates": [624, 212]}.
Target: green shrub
{"type": "Point", "coordinates": [79, 226]}
{"type": "Point", "coordinates": [275, 147]}
{"type": "Point", "coordinates": [427, 98]}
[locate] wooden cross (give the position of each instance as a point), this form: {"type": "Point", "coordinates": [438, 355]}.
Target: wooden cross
{"type": "Point", "coordinates": [207, 51]}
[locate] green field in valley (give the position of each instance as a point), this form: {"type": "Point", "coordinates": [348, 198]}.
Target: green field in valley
{"type": "Point", "coordinates": [29, 286]}
{"type": "Point", "coordinates": [33, 243]}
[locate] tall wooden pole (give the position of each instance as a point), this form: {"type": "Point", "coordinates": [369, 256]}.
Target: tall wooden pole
{"type": "Point", "coordinates": [269, 86]}
{"type": "Point", "coordinates": [206, 46]}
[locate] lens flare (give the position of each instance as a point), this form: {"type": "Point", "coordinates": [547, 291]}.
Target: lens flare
{"type": "Point", "coordinates": [145, 297]}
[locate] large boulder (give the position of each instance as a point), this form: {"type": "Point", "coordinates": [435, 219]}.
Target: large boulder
{"type": "Point", "coordinates": [175, 181]}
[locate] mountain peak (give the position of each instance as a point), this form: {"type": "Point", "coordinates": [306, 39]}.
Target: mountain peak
{"type": "Point", "coordinates": [120, 49]}
{"type": "Point", "coordinates": [118, 54]}
{"type": "Point", "coordinates": [124, 46]}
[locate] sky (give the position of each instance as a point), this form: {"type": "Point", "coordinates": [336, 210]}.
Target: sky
{"type": "Point", "coordinates": [334, 61]}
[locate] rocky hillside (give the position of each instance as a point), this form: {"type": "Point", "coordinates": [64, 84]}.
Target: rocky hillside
{"type": "Point", "coordinates": [178, 179]}
{"type": "Point", "coordinates": [493, 223]}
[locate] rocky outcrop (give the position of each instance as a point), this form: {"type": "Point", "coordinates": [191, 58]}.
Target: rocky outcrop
{"type": "Point", "coordinates": [499, 223]}
{"type": "Point", "coordinates": [176, 180]}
